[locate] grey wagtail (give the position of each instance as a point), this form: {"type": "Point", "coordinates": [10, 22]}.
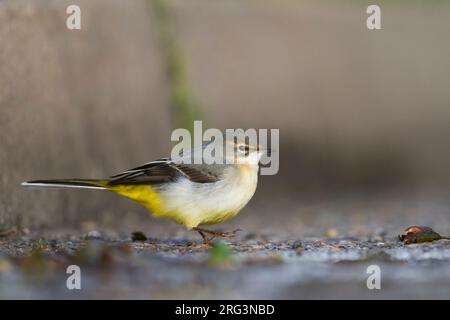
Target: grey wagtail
{"type": "Point", "coordinates": [189, 194]}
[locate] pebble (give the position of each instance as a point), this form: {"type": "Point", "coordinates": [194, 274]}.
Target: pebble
{"type": "Point", "coordinates": [93, 235]}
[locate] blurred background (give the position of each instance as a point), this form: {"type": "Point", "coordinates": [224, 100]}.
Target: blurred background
{"type": "Point", "coordinates": [363, 115]}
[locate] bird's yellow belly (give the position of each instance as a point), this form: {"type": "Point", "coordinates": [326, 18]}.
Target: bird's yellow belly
{"type": "Point", "coordinates": [189, 214]}
{"type": "Point", "coordinates": [142, 194]}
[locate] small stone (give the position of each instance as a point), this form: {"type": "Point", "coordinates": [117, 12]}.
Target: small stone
{"type": "Point", "coordinates": [297, 245]}
{"type": "Point", "coordinates": [332, 233]}
{"type": "Point", "coordinates": [6, 233]}
{"type": "Point", "coordinates": [93, 235]}
{"type": "Point", "coordinates": [138, 236]}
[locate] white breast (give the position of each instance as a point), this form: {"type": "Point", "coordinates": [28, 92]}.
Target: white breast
{"type": "Point", "coordinates": [205, 203]}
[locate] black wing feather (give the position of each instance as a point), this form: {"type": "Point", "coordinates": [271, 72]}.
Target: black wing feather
{"type": "Point", "coordinates": [161, 171]}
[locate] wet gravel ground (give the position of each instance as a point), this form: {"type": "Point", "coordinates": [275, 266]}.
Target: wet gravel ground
{"type": "Point", "coordinates": [249, 266]}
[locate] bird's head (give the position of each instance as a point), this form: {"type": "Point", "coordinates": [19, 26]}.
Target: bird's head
{"type": "Point", "coordinates": [243, 152]}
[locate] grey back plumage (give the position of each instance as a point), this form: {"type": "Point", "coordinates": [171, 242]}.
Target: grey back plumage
{"type": "Point", "coordinates": [166, 170]}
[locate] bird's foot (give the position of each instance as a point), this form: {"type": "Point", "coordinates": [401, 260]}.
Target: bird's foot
{"type": "Point", "coordinates": [214, 234]}
{"type": "Point", "coordinates": [227, 234]}
{"type": "Point", "coordinates": [206, 244]}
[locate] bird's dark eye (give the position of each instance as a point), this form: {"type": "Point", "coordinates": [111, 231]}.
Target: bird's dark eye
{"type": "Point", "coordinates": [244, 149]}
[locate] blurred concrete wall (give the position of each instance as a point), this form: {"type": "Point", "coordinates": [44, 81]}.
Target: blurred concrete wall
{"type": "Point", "coordinates": [354, 107]}
{"type": "Point", "coordinates": [76, 104]}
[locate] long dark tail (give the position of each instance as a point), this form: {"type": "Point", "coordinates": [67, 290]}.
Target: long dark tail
{"type": "Point", "coordinates": [67, 183]}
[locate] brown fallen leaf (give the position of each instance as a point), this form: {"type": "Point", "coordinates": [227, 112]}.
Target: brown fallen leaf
{"type": "Point", "coordinates": [419, 234]}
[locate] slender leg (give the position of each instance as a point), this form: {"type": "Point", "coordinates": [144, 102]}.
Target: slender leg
{"type": "Point", "coordinates": [205, 239]}
{"type": "Point", "coordinates": [220, 234]}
